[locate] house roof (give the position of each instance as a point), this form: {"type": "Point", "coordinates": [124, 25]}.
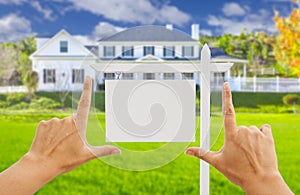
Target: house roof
{"type": "Point", "coordinates": [63, 31]}
{"type": "Point", "coordinates": [149, 33]}
{"type": "Point", "coordinates": [218, 55]}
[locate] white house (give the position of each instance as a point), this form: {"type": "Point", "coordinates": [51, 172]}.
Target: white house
{"type": "Point", "coordinates": [62, 62]}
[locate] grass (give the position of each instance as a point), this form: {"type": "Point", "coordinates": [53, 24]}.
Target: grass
{"type": "Point", "coordinates": [178, 177]}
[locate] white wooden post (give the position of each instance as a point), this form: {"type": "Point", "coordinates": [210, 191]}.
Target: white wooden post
{"type": "Point", "coordinates": [205, 117]}
{"type": "Point", "coordinates": [254, 83]}
{"type": "Point", "coordinates": [277, 83]}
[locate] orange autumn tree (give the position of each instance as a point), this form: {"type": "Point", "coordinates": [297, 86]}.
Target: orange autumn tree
{"type": "Point", "coordinates": [287, 46]}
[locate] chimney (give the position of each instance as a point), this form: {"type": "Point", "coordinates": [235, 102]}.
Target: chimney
{"type": "Point", "coordinates": [195, 31]}
{"type": "Point", "coordinates": [169, 26]}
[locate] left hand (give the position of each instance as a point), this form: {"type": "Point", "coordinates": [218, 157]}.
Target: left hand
{"type": "Point", "coordinates": [61, 145]}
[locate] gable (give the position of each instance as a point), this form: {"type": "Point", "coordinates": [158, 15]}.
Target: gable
{"type": "Point", "coordinates": [52, 47]}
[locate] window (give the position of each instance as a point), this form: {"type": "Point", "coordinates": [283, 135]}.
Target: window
{"type": "Point", "coordinates": [77, 75]}
{"type": "Point", "coordinates": [49, 75]}
{"type": "Point", "coordinates": [108, 51]}
{"type": "Point", "coordinates": [149, 76]}
{"type": "Point", "coordinates": [109, 76]}
{"type": "Point", "coordinates": [63, 46]}
{"type": "Point", "coordinates": [187, 76]}
{"type": "Point", "coordinates": [148, 50]}
{"type": "Point", "coordinates": [168, 51]}
{"type": "Point", "coordinates": [187, 51]}
{"type": "Point", "coordinates": [127, 76]}
{"type": "Point", "coordinates": [127, 51]}
{"type": "Point", "coordinates": [169, 76]}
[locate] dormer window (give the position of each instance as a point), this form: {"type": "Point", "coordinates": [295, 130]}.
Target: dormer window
{"type": "Point", "coordinates": [127, 51]}
{"type": "Point", "coordinates": [149, 50]}
{"type": "Point", "coordinates": [109, 51]}
{"type": "Point", "coordinates": [188, 51]}
{"type": "Point", "coordinates": [63, 46]}
{"type": "Point", "coordinates": [169, 51]}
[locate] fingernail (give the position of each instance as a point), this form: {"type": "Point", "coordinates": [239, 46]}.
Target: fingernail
{"type": "Point", "coordinates": [116, 151]}
{"type": "Point", "coordinates": [189, 152]}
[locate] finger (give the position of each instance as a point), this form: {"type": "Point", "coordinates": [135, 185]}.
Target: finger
{"type": "Point", "coordinates": [228, 111]}
{"type": "Point", "coordinates": [99, 151]}
{"type": "Point", "coordinates": [84, 105]}
{"type": "Point", "coordinates": [207, 156]}
{"type": "Point", "coordinates": [254, 128]}
{"type": "Point", "coordinates": [267, 130]}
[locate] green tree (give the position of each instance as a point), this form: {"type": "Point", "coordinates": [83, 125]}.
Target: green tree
{"type": "Point", "coordinates": [31, 83]}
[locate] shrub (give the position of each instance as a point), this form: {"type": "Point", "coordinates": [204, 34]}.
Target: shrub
{"type": "Point", "coordinates": [44, 103]}
{"type": "Point", "coordinates": [14, 98]}
{"type": "Point", "coordinates": [292, 99]}
{"type": "Point", "coordinates": [3, 104]}
{"type": "Point", "coordinates": [20, 106]}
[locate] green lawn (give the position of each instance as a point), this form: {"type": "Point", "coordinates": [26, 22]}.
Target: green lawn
{"type": "Point", "coordinates": [179, 177]}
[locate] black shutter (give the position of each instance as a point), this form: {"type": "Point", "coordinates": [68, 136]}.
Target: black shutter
{"type": "Point", "coordinates": [44, 76]}
{"type": "Point", "coordinates": [82, 75]}
{"type": "Point", "coordinates": [54, 76]}
{"type": "Point", "coordinates": [73, 75]}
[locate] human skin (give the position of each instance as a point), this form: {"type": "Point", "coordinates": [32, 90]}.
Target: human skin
{"type": "Point", "coordinates": [59, 146]}
{"type": "Point", "coordinates": [248, 157]}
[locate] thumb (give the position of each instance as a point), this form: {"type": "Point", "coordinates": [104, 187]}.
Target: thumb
{"type": "Point", "coordinates": [207, 156]}
{"type": "Point", "coordinates": [99, 151]}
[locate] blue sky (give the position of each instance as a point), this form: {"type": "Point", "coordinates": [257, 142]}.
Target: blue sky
{"type": "Point", "coordinates": [89, 20]}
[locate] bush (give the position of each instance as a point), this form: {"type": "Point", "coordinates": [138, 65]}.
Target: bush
{"type": "Point", "coordinates": [20, 106]}
{"type": "Point", "coordinates": [44, 103]}
{"type": "Point", "coordinates": [3, 104]}
{"type": "Point", "coordinates": [14, 98]}
{"type": "Point", "coordinates": [292, 99]}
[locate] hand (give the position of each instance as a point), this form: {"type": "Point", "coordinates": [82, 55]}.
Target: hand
{"type": "Point", "coordinates": [248, 156]}
{"type": "Point", "coordinates": [59, 146]}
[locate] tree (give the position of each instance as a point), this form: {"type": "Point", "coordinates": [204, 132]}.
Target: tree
{"type": "Point", "coordinates": [31, 82]}
{"type": "Point", "coordinates": [287, 47]}
{"type": "Point", "coordinates": [255, 47]}
{"type": "Point", "coordinates": [292, 99]}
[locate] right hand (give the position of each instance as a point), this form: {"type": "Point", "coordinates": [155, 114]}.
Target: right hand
{"type": "Point", "coordinates": [248, 156]}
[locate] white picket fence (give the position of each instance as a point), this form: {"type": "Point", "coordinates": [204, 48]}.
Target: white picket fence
{"type": "Point", "coordinates": [13, 89]}
{"type": "Point", "coordinates": [241, 84]}
{"type": "Point", "coordinates": [255, 84]}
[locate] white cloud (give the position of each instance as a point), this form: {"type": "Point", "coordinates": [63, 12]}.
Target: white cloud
{"type": "Point", "coordinates": [142, 11]}
{"type": "Point", "coordinates": [233, 9]}
{"type": "Point", "coordinates": [205, 32]}
{"type": "Point", "coordinates": [14, 27]}
{"type": "Point", "coordinates": [260, 20]}
{"type": "Point", "coordinates": [85, 40]}
{"type": "Point", "coordinates": [235, 18]}
{"type": "Point", "coordinates": [102, 29]}
{"type": "Point", "coordinates": [46, 12]}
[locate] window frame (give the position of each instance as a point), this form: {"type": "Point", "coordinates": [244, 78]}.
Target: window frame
{"type": "Point", "coordinates": [49, 75]}
{"type": "Point", "coordinates": [168, 49]}
{"type": "Point", "coordinates": [152, 50]}
{"type": "Point", "coordinates": [146, 76]}
{"type": "Point", "coordinates": [64, 48]}
{"type": "Point", "coordinates": [126, 49]}
{"type": "Point", "coordinates": [112, 52]}
{"type": "Point", "coordinates": [77, 76]}
{"type": "Point", "coordinates": [184, 51]}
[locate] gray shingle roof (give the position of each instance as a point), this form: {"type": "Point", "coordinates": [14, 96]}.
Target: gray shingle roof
{"type": "Point", "coordinates": [149, 34]}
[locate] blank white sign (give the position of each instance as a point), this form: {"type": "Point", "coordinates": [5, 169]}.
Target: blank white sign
{"type": "Point", "coordinates": [150, 110]}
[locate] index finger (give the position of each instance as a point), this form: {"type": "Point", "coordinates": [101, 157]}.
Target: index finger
{"type": "Point", "coordinates": [228, 111]}
{"type": "Point", "coordinates": [84, 105]}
